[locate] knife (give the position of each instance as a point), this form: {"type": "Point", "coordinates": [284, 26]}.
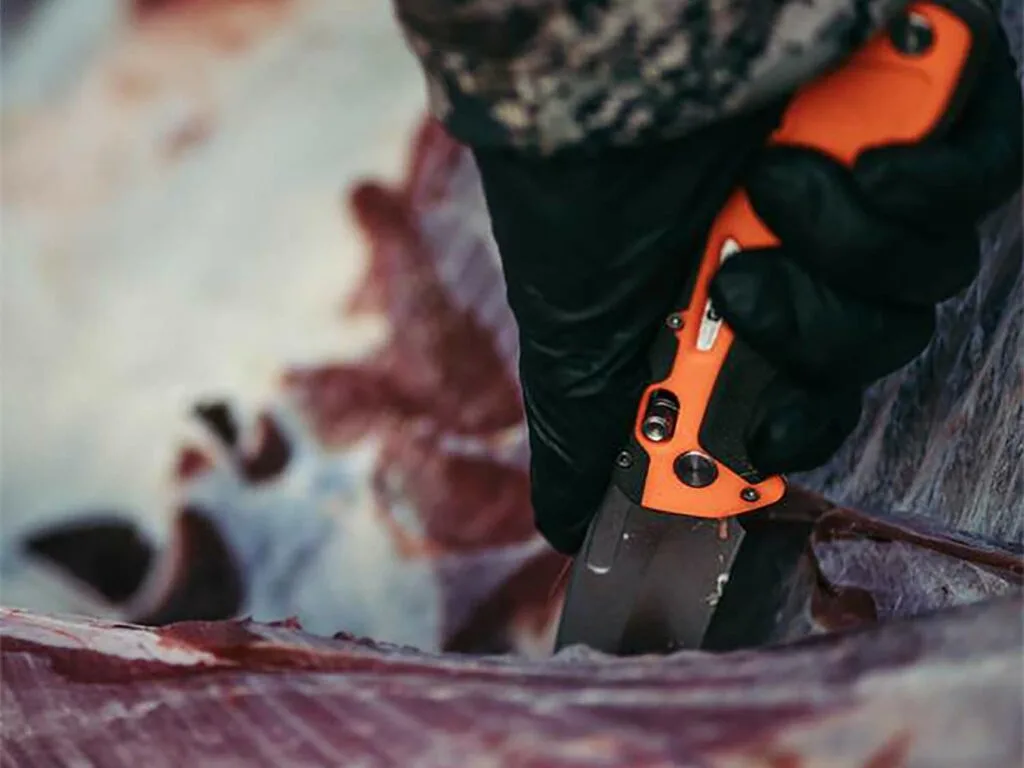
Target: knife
{"type": "Point", "coordinates": [687, 549]}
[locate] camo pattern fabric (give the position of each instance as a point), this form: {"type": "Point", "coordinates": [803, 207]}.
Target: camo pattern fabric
{"type": "Point", "coordinates": [543, 75]}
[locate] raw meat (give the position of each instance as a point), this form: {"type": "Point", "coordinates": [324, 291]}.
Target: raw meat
{"type": "Point", "coordinates": [383, 493]}
{"type": "Point", "coordinates": [937, 691]}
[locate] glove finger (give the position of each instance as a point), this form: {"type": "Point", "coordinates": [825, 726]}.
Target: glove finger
{"type": "Point", "coordinates": [572, 454]}
{"type": "Point", "coordinates": [970, 172]}
{"type": "Point", "coordinates": [814, 207]}
{"type": "Point", "coordinates": [809, 330]}
{"type": "Point", "coordinates": [796, 430]}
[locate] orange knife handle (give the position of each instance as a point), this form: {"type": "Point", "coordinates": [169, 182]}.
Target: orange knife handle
{"type": "Point", "coordinates": [687, 454]}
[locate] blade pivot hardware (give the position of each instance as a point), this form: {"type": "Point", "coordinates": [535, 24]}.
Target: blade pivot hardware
{"type": "Point", "coordinates": [695, 469]}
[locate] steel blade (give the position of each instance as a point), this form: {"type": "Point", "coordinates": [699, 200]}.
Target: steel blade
{"type": "Point", "coordinates": [646, 582]}
{"type": "Point", "coordinates": [651, 582]}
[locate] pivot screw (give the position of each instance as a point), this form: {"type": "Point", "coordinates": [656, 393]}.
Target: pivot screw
{"type": "Point", "coordinates": [624, 460]}
{"type": "Point", "coordinates": [674, 321]}
{"type": "Point", "coordinates": [695, 469]}
{"type": "Point", "coordinates": [750, 494]}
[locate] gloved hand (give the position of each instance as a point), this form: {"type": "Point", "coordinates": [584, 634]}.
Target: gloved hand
{"type": "Point", "coordinates": [596, 249]}
{"type": "Point", "coordinates": [850, 295]}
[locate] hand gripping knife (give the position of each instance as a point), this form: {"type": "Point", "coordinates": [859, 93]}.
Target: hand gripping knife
{"type": "Point", "coordinates": [674, 558]}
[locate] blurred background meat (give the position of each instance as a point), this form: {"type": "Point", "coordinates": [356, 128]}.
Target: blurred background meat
{"type": "Point", "coordinates": [254, 314]}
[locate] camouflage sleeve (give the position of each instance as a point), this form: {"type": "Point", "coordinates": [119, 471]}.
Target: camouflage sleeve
{"type": "Point", "coordinates": [543, 75]}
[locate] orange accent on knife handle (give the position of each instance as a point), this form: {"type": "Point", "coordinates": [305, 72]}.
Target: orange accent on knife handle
{"type": "Point", "coordinates": [880, 96]}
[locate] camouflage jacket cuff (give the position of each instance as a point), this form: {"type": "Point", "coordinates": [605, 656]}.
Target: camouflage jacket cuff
{"type": "Point", "coordinates": [542, 76]}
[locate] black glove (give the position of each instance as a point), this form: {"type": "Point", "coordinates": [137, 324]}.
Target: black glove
{"type": "Point", "coordinates": [596, 251]}
{"type": "Point", "coordinates": [850, 296]}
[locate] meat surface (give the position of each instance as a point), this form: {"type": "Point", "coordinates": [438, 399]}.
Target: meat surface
{"type": "Point", "coordinates": [942, 690]}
